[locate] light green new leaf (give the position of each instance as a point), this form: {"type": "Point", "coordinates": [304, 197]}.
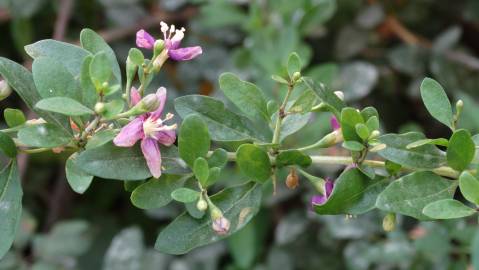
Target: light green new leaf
{"type": "Point", "coordinates": [156, 193]}
{"type": "Point", "coordinates": [11, 202]}
{"type": "Point", "coordinates": [447, 209]}
{"type": "Point", "coordinates": [63, 105]}
{"type": "Point", "coordinates": [194, 139]}
{"type": "Point", "coordinates": [14, 117]}
{"type": "Point", "coordinates": [411, 193]}
{"type": "Point", "coordinates": [294, 64]}
{"type": "Point", "coordinates": [100, 70]}
{"type": "Point", "coordinates": [245, 95]}
{"type": "Point", "coordinates": [350, 117]}
{"type": "Point", "coordinates": [469, 186]}
{"type": "Point", "coordinates": [436, 101]}
{"type": "Point", "coordinates": [238, 204]}
{"type": "Point", "coordinates": [254, 162]}
{"type": "Point", "coordinates": [201, 170]}
{"type": "Point", "coordinates": [461, 150]}
{"type": "Point", "coordinates": [185, 195]}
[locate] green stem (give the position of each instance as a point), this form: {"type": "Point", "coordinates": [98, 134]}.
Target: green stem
{"type": "Point", "coordinates": [34, 151]}
{"type": "Point", "coordinates": [281, 115]}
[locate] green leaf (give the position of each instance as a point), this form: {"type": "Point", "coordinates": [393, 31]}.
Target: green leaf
{"type": "Point", "coordinates": [43, 135]}
{"type": "Point", "coordinates": [350, 117]}
{"type": "Point", "coordinates": [279, 79]}
{"type": "Point", "coordinates": [156, 193]}
{"type": "Point", "coordinates": [193, 139]}
{"type": "Point", "coordinates": [326, 95]}
{"type": "Point", "coordinates": [113, 108]}
{"type": "Point", "coordinates": [354, 193]}
{"type": "Point", "coordinates": [14, 117]}
{"type": "Point", "coordinates": [438, 141]}
{"type": "Point", "coordinates": [63, 105]}
{"type": "Point", "coordinates": [94, 43]}
{"type": "Point", "coordinates": [461, 150]}
{"type": "Point", "coordinates": [362, 130]}
{"type": "Point", "coordinates": [422, 157]}
{"type": "Point", "coordinates": [11, 201]}
{"type": "Point", "coordinates": [64, 84]}
{"type": "Point", "coordinates": [7, 145]}
{"type": "Point", "coordinates": [100, 70]}
{"type": "Point", "coordinates": [238, 204]}
{"type": "Point", "coordinates": [411, 193]}
{"type": "Point", "coordinates": [292, 123]}
{"type": "Point", "coordinates": [201, 170]}
{"type": "Point", "coordinates": [223, 124]}
{"type": "Point", "coordinates": [353, 146]}
{"type": "Point", "coordinates": [136, 56]}
{"type": "Point", "coordinates": [292, 157]}
{"type": "Point", "coordinates": [100, 138]}
{"type": "Point", "coordinates": [469, 186]}
{"type": "Point", "coordinates": [126, 251]}
{"type": "Point", "coordinates": [447, 209]}
{"type": "Point", "coordinates": [373, 123]}
{"type": "Point", "coordinates": [254, 162]}
{"type": "Point", "coordinates": [369, 112]}
{"type": "Point", "coordinates": [70, 55]}
{"type": "Point", "coordinates": [304, 102]}
{"type": "Point", "coordinates": [213, 176]}
{"type": "Point", "coordinates": [90, 96]}
{"type": "Point", "coordinates": [79, 180]}
{"type": "Point", "coordinates": [436, 101]}
{"type": "Point", "coordinates": [245, 95]}
{"type": "Point", "coordinates": [218, 158]}
{"type": "Point", "coordinates": [121, 163]}
{"type": "Point", "coordinates": [21, 80]}
{"type": "Point", "coordinates": [294, 64]}
{"type": "Point", "coordinates": [185, 195]}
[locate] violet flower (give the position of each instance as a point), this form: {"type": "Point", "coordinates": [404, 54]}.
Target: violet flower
{"type": "Point", "coordinates": [151, 130]}
{"type": "Point", "coordinates": [321, 199]}
{"type": "Point", "coordinates": [172, 38]}
{"type": "Point", "coordinates": [335, 123]}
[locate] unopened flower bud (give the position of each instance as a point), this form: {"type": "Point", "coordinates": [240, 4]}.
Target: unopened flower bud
{"type": "Point", "coordinates": [149, 103]}
{"type": "Point", "coordinates": [339, 94]}
{"type": "Point", "coordinates": [202, 205]}
{"type": "Point", "coordinates": [296, 76]}
{"type": "Point", "coordinates": [221, 225]}
{"type": "Point", "coordinates": [389, 222]}
{"type": "Point", "coordinates": [292, 180]}
{"type": "Point", "coordinates": [100, 107]}
{"type": "Point", "coordinates": [5, 90]}
{"type": "Point", "coordinates": [374, 134]}
{"type": "Point", "coordinates": [459, 107]}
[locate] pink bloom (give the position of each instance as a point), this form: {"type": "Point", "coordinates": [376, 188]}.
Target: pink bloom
{"type": "Point", "coordinates": [321, 199]}
{"type": "Point", "coordinates": [172, 38]}
{"type": "Point", "coordinates": [335, 123]}
{"type": "Point", "coordinates": [144, 40]}
{"type": "Point", "coordinates": [221, 225]}
{"type": "Point", "coordinates": [150, 129]}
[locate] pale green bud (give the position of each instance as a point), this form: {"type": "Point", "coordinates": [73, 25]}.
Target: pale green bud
{"type": "Point", "coordinates": [100, 107]}
{"type": "Point", "coordinates": [5, 90]}
{"type": "Point", "coordinates": [389, 222]}
{"type": "Point", "coordinates": [202, 205]}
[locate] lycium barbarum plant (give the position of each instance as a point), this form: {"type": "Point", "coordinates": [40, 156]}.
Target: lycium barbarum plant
{"type": "Point", "coordinates": [125, 135]}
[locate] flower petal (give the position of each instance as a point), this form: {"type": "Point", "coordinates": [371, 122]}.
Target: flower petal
{"type": "Point", "coordinates": [184, 54]}
{"type": "Point", "coordinates": [335, 123]}
{"type": "Point", "coordinates": [151, 152]}
{"type": "Point", "coordinates": [167, 137]}
{"type": "Point", "coordinates": [134, 96]}
{"type": "Point", "coordinates": [161, 94]}
{"type": "Point", "coordinates": [130, 133]}
{"type": "Point", "coordinates": [318, 199]}
{"type": "Point", "coordinates": [144, 40]}
{"type": "Point", "coordinates": [328, 186]}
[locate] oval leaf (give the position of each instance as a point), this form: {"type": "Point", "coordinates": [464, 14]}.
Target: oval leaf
{"type": "Point", "coordinates": [293, 157]}
{"type": "Point", "coordinates": [185, 195]}
{"type": "Point", "coordinates": [447, 209]}
{"type": "Point", "coordinates": [254, 162]}
{"type": "Point", "coordinates": [14, 117]}
{"type": "Point", "coordinates": [193, 139]}
{"type": "Point", "coordinates": [436, 101]}
{"type": "Point", "coordinates": [63, 105]}
{"type": "Point", "coordinates": [469, 186]}
{"type": "Point", "coordinates": [7, 145]}
{"type": "Point", "coordinates": [156, 193]}
{"type": "Point", "coordinates": [79, 180]}
{"type": "Point", "coordinates": [461, 150]}
{"type": "Point", "coordinates": [43, 135]}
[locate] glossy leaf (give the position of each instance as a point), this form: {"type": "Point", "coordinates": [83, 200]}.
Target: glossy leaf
{"type": "Point", "coordinates": [223, 124]}
{"type": "Point", "coordinates": [469, 186]}
{"type": "Point", "coordinates": [193, 139]}
{"type": "Point", "coordinates": [422, 157]}
{"type": "Point", "coordinates": [353, 193]}
{"type": "Point", "coordinates": [63, 105]}
{"type": "Point", "coordinates": [238, 204]}
{"type": "Point", "coordinates": [254, 162]}
{"type": "Point", "coordinates": [461, 150]}
{"type": "Point", "coordinates": [79, 180]}
{"type": "Point", "coordinates": [436, 101]}
{"type": "Point", "coordinates": [14, 117]}
{"type": "Point", "coordinates": [293, 157]}
{"type": "Point", "coordinates": [185, 195]}
{"type": "Point", "coordinates": [11, 201]}
{"type": "Point", "coordinates": [245, 95]}
{"type": "Point", "coordinates": [447, 209]}
{"type": "Point", "coordinates": [411, 193]}
{"type": "Point", "coordinates": [156, 193]}
{"type": "Point", "coordinates": [43, 135]}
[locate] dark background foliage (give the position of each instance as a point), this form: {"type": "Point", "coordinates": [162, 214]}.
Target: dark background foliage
{"type": "Point", "coordinates": [376, 52]}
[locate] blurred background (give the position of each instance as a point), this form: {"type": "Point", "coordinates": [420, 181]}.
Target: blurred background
{"type": "Point", "coordinates": [376, 52]}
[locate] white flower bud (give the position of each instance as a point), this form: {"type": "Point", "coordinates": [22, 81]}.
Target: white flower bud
{"type": "Point", "coordinates": [221, 225]}
{"type": "Point", "coordinates": [5, 90]}
{"type": "Point", "coordinates": [202, 205]}
{"type": "Point", "coordinates": [100, 107]}
{"type": "Point", "coordinates": [339, 94]}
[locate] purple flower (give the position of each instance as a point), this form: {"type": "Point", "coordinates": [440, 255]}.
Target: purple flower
{"type": "Point", "coordinates": [328, 189]}
{"type": "Point", "coordinates": [335, 123]}
{"type": "Point", "coordinates": [151, 130]}
{"type": "Point", "coordinates": [221, 225]}
{"type": "Point", "coordinates": [144, 40]}
{"type": "Point", "coordinates": [172, 38]}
